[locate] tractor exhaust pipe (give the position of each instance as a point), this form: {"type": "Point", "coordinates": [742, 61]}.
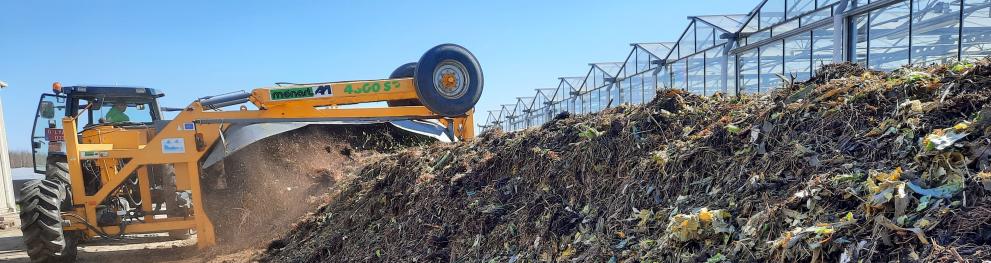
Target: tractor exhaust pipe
{"type": "Point", "coordinates": [217, 102]}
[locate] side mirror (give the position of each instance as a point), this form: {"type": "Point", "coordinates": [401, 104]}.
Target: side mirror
{"type": "Point", "coordinates": [36, 145]}
{"type": "Point", "coordinates": [47, 109]}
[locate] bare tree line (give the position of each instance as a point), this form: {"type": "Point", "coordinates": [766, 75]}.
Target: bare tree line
{"type": "Point", "coordinates": [20, 159]}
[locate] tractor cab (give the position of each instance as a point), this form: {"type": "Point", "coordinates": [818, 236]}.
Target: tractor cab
{"type": "Point", "coordinates": [100, 112]}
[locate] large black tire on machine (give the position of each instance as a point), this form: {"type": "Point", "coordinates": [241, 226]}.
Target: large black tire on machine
{"type": "Point", "coordinates": [448, 79]}
{"type": "Point", "coordinates": [41, 222]}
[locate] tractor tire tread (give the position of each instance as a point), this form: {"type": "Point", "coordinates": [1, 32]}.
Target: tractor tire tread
{"type": "Point", "coordinates": [41, 222]}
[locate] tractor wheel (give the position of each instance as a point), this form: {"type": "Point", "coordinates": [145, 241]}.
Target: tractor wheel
{"type": "Point", "coordinates": [41, 223]}
{"type": "Point", "coordinates": [448, 80]}
{"type": "Point", "coordinates": [405, 71]}
{"type": "Point", "coordinates": [58, 171]}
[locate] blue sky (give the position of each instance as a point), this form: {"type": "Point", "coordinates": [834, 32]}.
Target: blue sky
{"type": "Point", "coordinates": [192, 49]}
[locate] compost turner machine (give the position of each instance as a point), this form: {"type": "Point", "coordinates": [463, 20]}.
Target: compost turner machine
{"type": "Point", "coordinates": [114, 166]}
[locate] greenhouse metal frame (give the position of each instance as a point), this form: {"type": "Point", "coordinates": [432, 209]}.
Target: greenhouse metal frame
{"type": "Point", "coordinates": [754, 52]}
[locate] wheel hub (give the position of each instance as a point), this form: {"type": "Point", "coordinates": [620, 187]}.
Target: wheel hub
{"type": "Point", "coordinates": [451, 79]}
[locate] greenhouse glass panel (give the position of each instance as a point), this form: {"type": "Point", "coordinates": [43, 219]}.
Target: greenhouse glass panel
{"type": "Point", "coordinates": [584, 102]}
{"type": "Point", "coordinates": [747, 30]}
{"type": "Point", "coordinates": [635, 94]}
{"type": "Point", "coordinates": [816, 16]}
{"type": "Point", "coordinates": [564, 95]}
{"type": "Point", "coordinates": [935, 30]}
{"type": "Point", "coordinates": [713, 71]}
{"type": "Point", "coordinates": [599, 97]}
{"type": "Point", "coordinates": [522, 105]}
{"type": "Point", "coordinates": [663, 78]}
{"type": "Point", "coordinates": [731, 75]}
{"type": "Point", "coordinates": [565, 105]}
{"type": "Point", "coordinates": [658, 50]}
{"type": "Point", "coordinates": [572, 104]}
{"type": "Point", "coordinates": [630, 66]}
{"type": "Point", "coordinates": [798, 56]}
{"type": "Point", "coordinates": [860, 37]}
{"type": "Point", "coordinates": [696, 74]}
{"type": "Point", "coordinates": [575, 83]}
{"type": "Point", "coordinates": [616, 94]}
{"type": "Point", "coordinates": [705, 36]}
{"type": "Point", "coordinates": [976, 40]}
{"type": "Point", "coordinates": [594, 80]}
{"type": "Point", "coordinates": [606, 72]}
{"type": "Point", "coordinates": [678, 80]}
{"type": "Point", "coordinates": [757, 37]}
{"type": "Point", "coordinates": [686, 46]}
{"type": "Point", "coordinates": [649, 86]}
{"type": "Point", "coordinates": [551, 110]}
{"type": "Point", "coordinates": [591, 81]}
{"type": "Point", "coordinates": [626, 91]}
{"type": "Point", "coordinates": [610, 69]}
{"type": "Point", "coordinates": [822, 47]}
{"type": "Point", "coordinates": [724, 23]}
{"type": "Point", "coordinates": [772, 13]}
{"type": "Point", "coordinates": [600, 79]}
{"type": "Point", "coordinates": [889, 37]}
{"type": "Point", "coordinates": [799, 7]}
{"type": "Point", "coordinates": [826, 2]}
{"type": "Point", "coordinates": [771, 66]}
{"type": "Point", "coordinates": [610, 96]}
{"type": "Point", "coordinates": [749, 75]}
{"type": "Point", "coordinates": [577, 103]}
{"type": "Point", "coordinates": [594, 100]}
{"type": "Point", "coordinates": [643, 63]}
{"type": "Point", "coordinates": [752, 25]}
{"type": "Point", "coordinates": [538, 102]}
{"type": "Point", "coordinates": [784, 27]}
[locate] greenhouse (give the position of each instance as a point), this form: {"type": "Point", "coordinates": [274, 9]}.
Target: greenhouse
{"type": "Point", "coordinates": [754, 52]}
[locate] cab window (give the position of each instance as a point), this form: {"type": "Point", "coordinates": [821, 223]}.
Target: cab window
{"type": "Point", "coordinates": [47, 134]}
{"type": "Point", "coordinates": [111, 112]}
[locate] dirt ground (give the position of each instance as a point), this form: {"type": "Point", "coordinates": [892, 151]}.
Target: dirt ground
{"type": "Point", "coordinates": [156, 246]}
{"type": "Point", "coordinates": [138, 248]}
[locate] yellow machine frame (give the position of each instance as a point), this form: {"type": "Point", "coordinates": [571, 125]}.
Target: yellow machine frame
{"type": "Point", "coordinates": [187, 138]}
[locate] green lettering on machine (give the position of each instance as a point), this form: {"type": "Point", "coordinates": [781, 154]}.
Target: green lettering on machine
{"type": "Point", "coordinates": [291, 93]}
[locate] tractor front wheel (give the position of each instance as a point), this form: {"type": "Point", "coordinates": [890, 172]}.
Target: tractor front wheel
{"type": "Point", "coordinates": [41, 222]}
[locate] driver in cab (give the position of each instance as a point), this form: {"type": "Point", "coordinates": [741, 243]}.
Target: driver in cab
{"type": "Point", "coordinates": [116, 113]}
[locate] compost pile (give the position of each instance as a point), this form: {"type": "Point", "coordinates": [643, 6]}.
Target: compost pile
{"type": "Point", "coordinates": [257, 192]}
{"type": "Point", "coordinates": [852, 165]}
